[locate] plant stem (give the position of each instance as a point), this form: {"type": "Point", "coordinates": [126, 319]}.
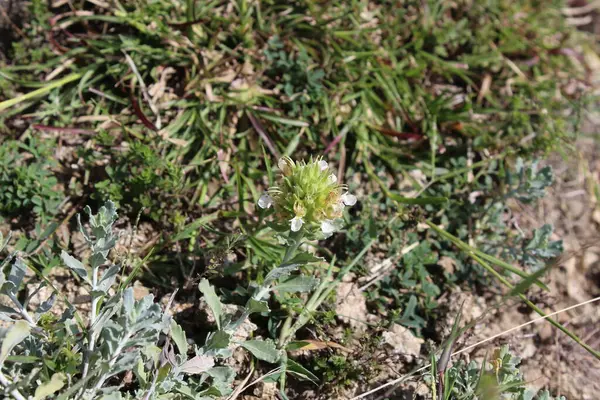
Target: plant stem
{"type": "Point", "coordinates": [294, 241]}
{"type": "Point", "coordinates": [91, 336]}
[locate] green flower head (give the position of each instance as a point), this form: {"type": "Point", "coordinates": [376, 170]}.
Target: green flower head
{"type": "Point", "coordinates": [308, 195]}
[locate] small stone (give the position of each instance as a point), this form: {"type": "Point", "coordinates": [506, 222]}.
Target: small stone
{"type": "Point", "coordinates": [448, 263]}
{"type": "Point", "coordinates": [140, 291]}
{"type": "Point", "coordinates": [403, 341]}
{"type": "Point", "coordinates": [351, 305]}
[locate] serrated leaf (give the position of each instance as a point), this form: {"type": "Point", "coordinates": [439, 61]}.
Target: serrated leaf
{"type": "Point", "coordinates": [197, 365]}
{"type": "Point", "coordinates": [75, 265]}
{"type": "Point", "coordinates": [52, 386]}
{"type": "Point", "coordinates": [262, 349]}
{"type": "Point", "coordinates": [16, 334]}
{"type": "Point", "coordinates": [212, 300]}
{"type": "Point", "coordinates": [296, 284]}
{"type": "Point", "coordinates": [178, 336]}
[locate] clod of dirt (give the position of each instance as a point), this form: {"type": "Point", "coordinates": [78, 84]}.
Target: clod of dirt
{"type": "Point", "coordinates": [403, 341]}
{"type": "Point", "coordinates": [351, 305]}
{"type": "Point", "coordinates": [266, 391]}
{"type": "Point", "coordinates": [470, 306]}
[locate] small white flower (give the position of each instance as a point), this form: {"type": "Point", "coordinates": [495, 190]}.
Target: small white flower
{"type": "Point", "coordinates": [349, 199]}
{"type": "Point", "coordinates": [296, 223]}
{"type": "Point", "coordinates": [265, 201]}
{"type": "Point", "coordinates": [323, 165]}
{"type": "Point", "coordinates": [328, 227]}
{"type": "Point", "coordinates": [332, 178]}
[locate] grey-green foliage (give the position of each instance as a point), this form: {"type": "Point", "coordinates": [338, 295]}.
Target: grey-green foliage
{"type": "Point", "coordinates": [84, 355]}
{"type": "Point", "coordinates": [499, 378]}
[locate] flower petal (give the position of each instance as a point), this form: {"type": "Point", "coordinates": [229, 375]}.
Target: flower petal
{"type": "Point", "coordinates": [265, 201]}
{"type": "Point", "coordinates": [323, 165]}
{"type": "Point", "coordinates": [332, 178]}
{"type": "Point", "coordinates": [349, 199]}
{"type": "Point", "coordinates": [296, 224]}
{"type": "Point", "coordinates": [327, 227]}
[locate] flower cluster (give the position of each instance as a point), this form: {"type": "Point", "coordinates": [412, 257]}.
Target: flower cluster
{"type": "Point", "coordinates": [308, 196]}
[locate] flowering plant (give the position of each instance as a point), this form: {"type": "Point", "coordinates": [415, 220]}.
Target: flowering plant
{"type": "Point", "coordinates": [308, 197]}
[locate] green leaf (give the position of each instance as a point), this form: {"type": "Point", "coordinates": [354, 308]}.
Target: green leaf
{"type": "Point", "coordinates": [298, 283]}
{"type": "Point", "coordinates": [212, 300]}
{"type": "Point", "coordinates": [284, 121]}
{"type": "Point", "coordinates": [189, 230]}
{"type": "Point", "coordinates": [108, 278]}
{"type": "Point", "coordinates": [74, 265]}
{"type": "Point", "coordinates": [255, 306]}
{"type": "Point", "coordinates": [15, 277]}
{"type": "Point", "coordinates": [178, 336]}
{"type": "Point", "coordinates": [297, 370]}
{"type": "Point", "coordinates": [217, 340]}
{"type": "Point", "coordinates": [262, 349]}
{"type": "Point", "coordinates": [288, 267]}
{"type": "Point", "coordinates": [16, 334]}
{"type": "Point", "coordinates": [524, 284]}
{"type": "Point", "coordinates": [222, 379]}
{"type": "Point", "coordinates": [52, 386]}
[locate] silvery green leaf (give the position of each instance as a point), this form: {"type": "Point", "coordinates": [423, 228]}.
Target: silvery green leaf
{"type": "Point", "coordinates": [287, 268]}
{"type": "Point", "coordinates": [74, 265]}
{"type": "Point", "coordinates": [17, 273]}
{"type": "Point", "coordinates": [16, 334]}
{"type": "Point", "coordinates": [255, 306]}
{"type": "Point", "coordinates": [140, 373]}
{"type": "Point", "coordinates": [217, 340]}
{"type": "Point", "coordinates": [97, 259]}
{"type": "Point", "coordinates": [189, 393]}
{"type": "Point", "coordinates": [298, 283]}
{"type": "Point", "coordinates": [212, 300]}
{"type": "Point", "coordinates": [2, 242]}
{"type": "Point", "coordinates": [128, 302]}
{"type": "Point", "coordinates": [46, 305]}
{"type": "Point", "coordinates": [222, 379]}
{"type": "Point", "coordinates": [197, 365]}
{"type": "Point", "coordinates": [178, 336]}
{"type": "Point", "coordinates": [108, 310]}
{"type": "Point", "coordinates": [262, 349]}
{"type": "Point", "coordinates": [52, 386]}
{"type": "Point", "coordinates": [126, 362]}
{"type": "Point", "coordinates": [108, 278]}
